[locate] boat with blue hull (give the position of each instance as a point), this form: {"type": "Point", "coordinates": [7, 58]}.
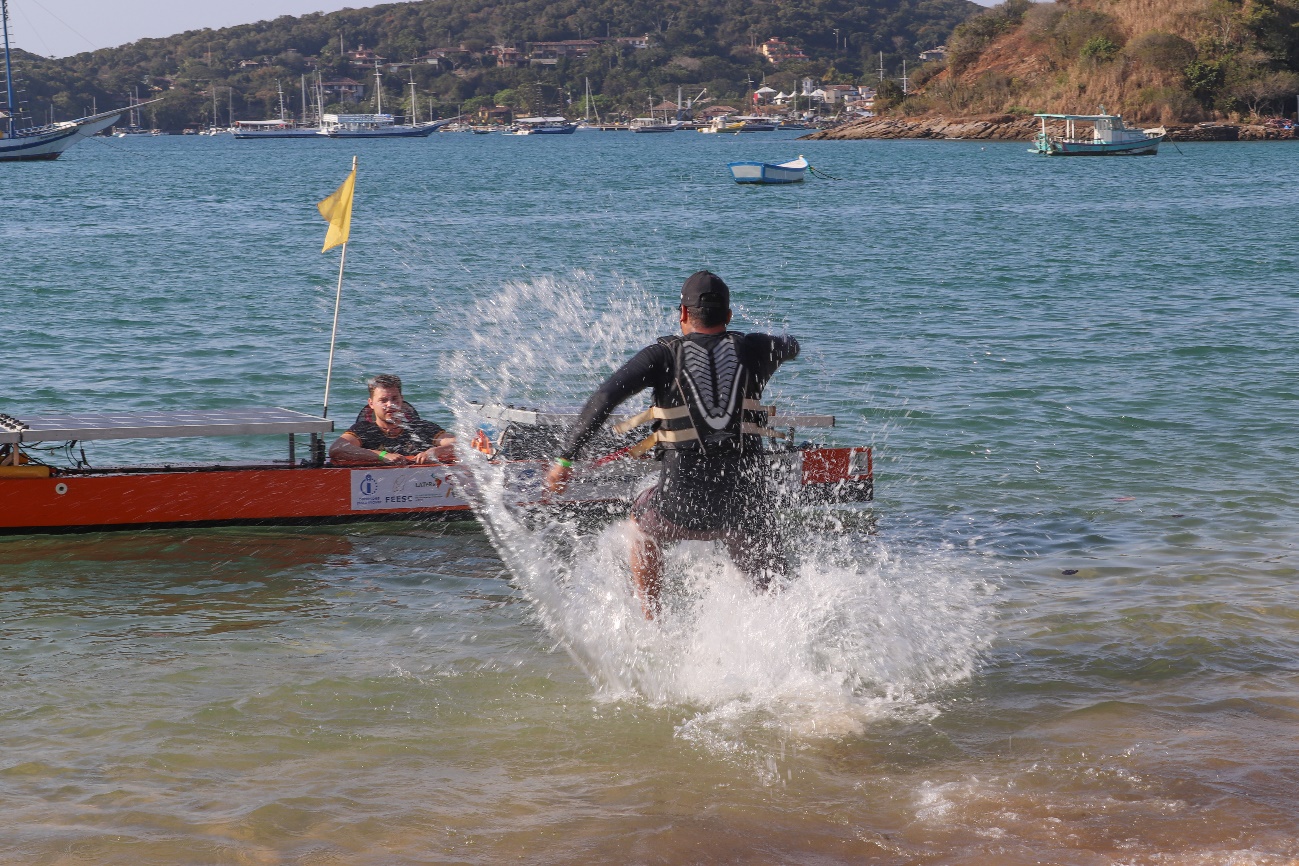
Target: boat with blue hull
{"type": "Point", "coordinates": [543, 126]}
{"type": "Point", "coordinates": [1109, 137]}
{"type": "Point", "coordinates": [769, 172]}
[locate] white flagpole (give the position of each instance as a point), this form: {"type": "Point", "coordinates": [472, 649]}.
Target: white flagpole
{"type": "Point", "coordinates": [333, 334]}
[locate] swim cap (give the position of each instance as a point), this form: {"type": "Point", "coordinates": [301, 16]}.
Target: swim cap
{"type": "Point", "coordinates": [705, 290]}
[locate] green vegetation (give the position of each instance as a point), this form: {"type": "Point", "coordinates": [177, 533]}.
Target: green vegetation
{"type": "Point", "coordinates": [1153, 60]}
{"type": "Point", "coordinates": [694, 44]}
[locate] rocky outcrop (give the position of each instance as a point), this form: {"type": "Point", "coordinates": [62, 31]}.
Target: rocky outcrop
{"type": "Point", "coordinates": [1001, 127]}
{"type": "Point", "coordinates": [1009, 127]}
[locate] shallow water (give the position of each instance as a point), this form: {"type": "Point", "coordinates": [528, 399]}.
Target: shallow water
{"type": "Point", "coordinates": [1067, 635]}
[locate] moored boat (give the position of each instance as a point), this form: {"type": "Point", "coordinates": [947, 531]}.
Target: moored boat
{"type": "Point", "coordinates": [40, 498]}
{"type": "Point", "coordinates": [770, 173]}
{"type": "Point", "coordinates": [543, 126]}
{"type": "Point", "coordinates": [1109, 137]}
{"type": "Point", "coordinates": [246, 130]}
{"type": "Point", "coordinates": [375, 126]}
{"type": "Point", "coordinates": [48, 141]}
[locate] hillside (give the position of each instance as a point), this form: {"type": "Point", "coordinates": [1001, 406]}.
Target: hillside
{"type": "Point", "coordinates": [695, 44]}
{"type": "Point", "coordinates": [1154, 61]}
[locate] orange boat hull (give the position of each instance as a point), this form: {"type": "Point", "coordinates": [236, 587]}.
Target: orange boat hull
{"type": "Point", "coordinates": [71, 503]}
{"type": "Point", "coordinates": [252, 495]}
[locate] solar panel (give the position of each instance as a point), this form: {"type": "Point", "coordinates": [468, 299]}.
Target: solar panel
{"type": "Point", "coordinates": [87, 426]}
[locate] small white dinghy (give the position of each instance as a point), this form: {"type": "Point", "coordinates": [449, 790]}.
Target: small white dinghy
{"type": "Point", "coordinates": [768, 172]}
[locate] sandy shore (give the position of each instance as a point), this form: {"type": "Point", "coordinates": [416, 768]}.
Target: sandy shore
{"type": "Point", "coordinates": [1006, 127]}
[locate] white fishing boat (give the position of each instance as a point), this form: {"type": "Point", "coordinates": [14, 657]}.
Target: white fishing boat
{"type": "Point", "coordinates": [653, 124]}
{"type": "Point", "coordinates": [19, 142]}
{"type": "Point", "coordinates": [1109, 137]}
{"type": "Point", "coordinates": [246, 130]}
{"type": "Point", "coordinates": [767, 172]}
{"type": "Point", "coordinates": [254, 129]}
{"type": "Point", "coordinates": [379, 124]}
{"type": "Point", "coordinates": [543, 126]}
{"type": "Point", "coordinates": [375, 126]}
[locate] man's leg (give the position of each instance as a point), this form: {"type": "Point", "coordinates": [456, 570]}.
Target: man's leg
{"type": "Point", "coordinates": [758, 551]}
{"type": "Point", "coordinates": [646, 570]}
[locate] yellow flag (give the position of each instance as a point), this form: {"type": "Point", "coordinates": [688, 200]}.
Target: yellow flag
{"type": "Point", "coordinates": [337, 211]}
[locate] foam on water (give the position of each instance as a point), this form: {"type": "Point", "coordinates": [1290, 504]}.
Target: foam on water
{"type": "Point", "coordinates": [859, 631]}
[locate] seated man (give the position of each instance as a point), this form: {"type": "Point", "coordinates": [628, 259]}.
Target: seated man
{"type": "Point", "coordinates": [389, 430]}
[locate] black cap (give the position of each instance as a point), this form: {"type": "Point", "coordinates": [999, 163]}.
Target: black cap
{"type": "Point", "coordinates": [705, 290]}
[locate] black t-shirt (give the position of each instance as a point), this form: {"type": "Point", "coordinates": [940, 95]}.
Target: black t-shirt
{"type": "Point", "coordinates": [697, 491]}
{"type": "Point", "coordinates": [416, 434]}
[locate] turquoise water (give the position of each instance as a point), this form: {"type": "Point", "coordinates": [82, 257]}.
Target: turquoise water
{"type": "Point", "coordinates": [1069, 636]}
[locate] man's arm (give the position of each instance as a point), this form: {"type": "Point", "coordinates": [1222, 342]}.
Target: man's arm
{"type": "Point", "coordinates": [767, 352]}
{"type": "Point", "coordinates": [347, 449]}
{"type": "Point", "coordinates": [651, 366]}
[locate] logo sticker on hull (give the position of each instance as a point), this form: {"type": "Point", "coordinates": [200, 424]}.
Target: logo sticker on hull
{"type": "Point", "coordinates": [407, 488]}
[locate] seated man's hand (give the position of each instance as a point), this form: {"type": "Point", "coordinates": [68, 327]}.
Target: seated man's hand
{"type": "Point", "coordinates": [398, 459]}
{"type": "Point", "coordinates": [445, 453]}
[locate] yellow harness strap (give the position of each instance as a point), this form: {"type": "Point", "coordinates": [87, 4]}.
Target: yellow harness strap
{"type": "Point", "coordinates": [651, 414]}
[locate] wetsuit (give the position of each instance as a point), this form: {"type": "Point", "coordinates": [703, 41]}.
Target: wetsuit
{"type": "Point", "coordinates": [704, 491]}
{"type": "Point", "coordinates": [416, 434]}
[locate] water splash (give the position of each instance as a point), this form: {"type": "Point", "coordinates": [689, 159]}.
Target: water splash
{"type": "Point", "coordinates": [860, 632]}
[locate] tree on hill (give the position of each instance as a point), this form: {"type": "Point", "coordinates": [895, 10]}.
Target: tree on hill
{"type": "Point", "coordinates": [694, 43]}
{"type": "Point", "coordinates": [1152, 60]}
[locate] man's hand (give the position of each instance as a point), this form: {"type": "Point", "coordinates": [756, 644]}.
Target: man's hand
{"type": "Point", "coordinates": [399, 459]}
{"type": "Point", "coordinates": [557, 477]}
{"type": "Point", "coordinates": [445, 453]}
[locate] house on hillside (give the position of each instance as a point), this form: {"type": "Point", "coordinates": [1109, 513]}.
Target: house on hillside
{"type": "Point", "coordinates": [445, 58]}
{"type": "Point", "coordinates": [363, 56]}
{"type": "Point", "coordinates": [833, 94]}
{"type": "Point", "coordinates": [507, 57]}
{"type": "Point", "coordinates": [939, 53]}
{"type": "Point", "coordinates": [778, 51]}
{"type": "Point", "coordinates": [342, 90]}
{"type": "Point", "coordinates": [636, 42]}
{"type": "Point", "coordinates": [501, 114]}
{"type": "Point", "coordinates": [249, 64]}
{"type": "Point", "coordinates": [550, 53]}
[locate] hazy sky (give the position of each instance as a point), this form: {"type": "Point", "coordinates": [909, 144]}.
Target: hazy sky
{"type": "Point", "coordinates": [57, 28]}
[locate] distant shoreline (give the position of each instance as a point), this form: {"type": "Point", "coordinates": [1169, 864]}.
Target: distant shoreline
{"type": "Point", "coordinates": [1008, 127]}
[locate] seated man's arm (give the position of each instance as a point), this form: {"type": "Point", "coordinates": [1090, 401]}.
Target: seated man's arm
{"type": "Point", "coordinates": [442, 450]}
{"type": "Point", "coordinates": [347, 449]}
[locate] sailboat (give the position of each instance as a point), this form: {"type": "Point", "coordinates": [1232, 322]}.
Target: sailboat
{"type": "Point", "coordinates": [653, 124]}
{"type": "Point", "coordinates": [283, 128]}
{"type": "Point", "coordinates": [18, 142]}
{"type": "Point", "coordinates": [378, 125]}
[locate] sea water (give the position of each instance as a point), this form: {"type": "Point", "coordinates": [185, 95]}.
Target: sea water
{"type": "Point", "coordinates": [1064, 632]}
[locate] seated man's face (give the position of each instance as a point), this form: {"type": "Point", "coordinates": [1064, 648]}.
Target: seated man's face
{"type": "Point", "coordinates": [386, 404]}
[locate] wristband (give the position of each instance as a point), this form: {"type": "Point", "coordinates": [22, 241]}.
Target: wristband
{"type": "Point", "coordinates": [560, 461]}
{"type": "Point", "coordinates": [383, 455]}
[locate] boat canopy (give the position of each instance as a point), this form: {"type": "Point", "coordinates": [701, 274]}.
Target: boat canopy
{"type": "Point", "coordinates": [88, 426]}
{"type": "Point", "coordinates": [541, 120]}
{"type": "Point", "coordinates": [1083, 117]}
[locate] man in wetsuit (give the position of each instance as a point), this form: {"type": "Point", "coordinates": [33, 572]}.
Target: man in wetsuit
{"type": "Point", "coordinates": [389, 430]}
{"type": "Point", "coordinates": [710, 425]}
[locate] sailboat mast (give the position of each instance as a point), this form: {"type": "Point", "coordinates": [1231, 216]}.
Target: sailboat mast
{"type": "Point", "coordinates": [378, 90]}
{"type": "Point", "coordinates": [278, 89]}
{"type": "Point", "coordinates": [414, 105]}
{"type": "Point", "coordinates": [9, 70]}
{"type": "Point", "coordinates": [588, 100]}
{"type": "Point", "coordinates": [304, 100]}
